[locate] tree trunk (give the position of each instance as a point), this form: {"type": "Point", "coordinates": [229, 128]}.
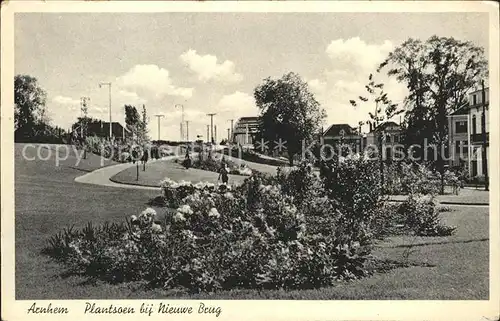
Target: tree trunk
{"type": "Point", "coordinates": [290, 159]}
{"type": "Point", "coordinates": [441, 171]}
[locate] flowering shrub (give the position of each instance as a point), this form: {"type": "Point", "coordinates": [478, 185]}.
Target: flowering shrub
{"type": "Point", "coordinates": [117, 151]}
{"type": "Point", "coordinates": [252, 236]}
{"type": "Point", "coordinates": [353, 182]}
{"type": "Point", "coordinates": [421, 215]}
{"type": "Point", "coordinates": [209, 163]}
{"type": "Point", "coordinates": [175, 192]}
{"type": "Point", "coordinates": [388, 221]}
{"type": "Point", "coordinates": [112, 252]}
{"type": "Point", "coordinates": [300, 182]}
{"type": "Point", "coordinates": [403, 178]}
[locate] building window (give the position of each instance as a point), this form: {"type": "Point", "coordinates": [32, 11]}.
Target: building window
{"type": "Point", "coordinates": [474, 124]}
{"type": "Point", "coordinates": [460, 127]}
{"type": "Point", "coordinates": [474, 100]}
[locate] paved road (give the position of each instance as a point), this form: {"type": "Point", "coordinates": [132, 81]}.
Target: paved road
{"type": "Point", "coordinates": [101, 176]}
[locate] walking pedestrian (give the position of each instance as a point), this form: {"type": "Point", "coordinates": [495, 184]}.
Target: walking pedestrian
{"type": "Point", "coordinates": [224, 173]}
{"type": "Point", "coordinates": [187, 160]}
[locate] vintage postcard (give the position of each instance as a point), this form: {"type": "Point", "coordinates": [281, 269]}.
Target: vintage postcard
{"type": "Point", "coordinates": [290, 160]}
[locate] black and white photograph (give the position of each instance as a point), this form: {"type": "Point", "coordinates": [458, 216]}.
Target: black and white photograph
{"type": "Point", "coordinates": [237, 154]}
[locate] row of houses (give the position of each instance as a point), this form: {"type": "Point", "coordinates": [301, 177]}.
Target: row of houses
{"type": "Point", "coordinates": [468, 136]}
{"type": "Point", "coordinates": [465, 134]}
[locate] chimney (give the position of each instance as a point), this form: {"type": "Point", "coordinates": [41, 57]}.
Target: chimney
{"type": "Point", "coordinates": [371, 127]}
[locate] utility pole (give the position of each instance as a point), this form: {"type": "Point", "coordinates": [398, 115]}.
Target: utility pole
{"type": "Point", "coordinates": [187, 130]}
{"type": "Point", "coordinates": [158, 117]}
{"type": "Point", "coordinates": [485, 139]}
{"type": "Point", "coordinates": [110, 123]}
{"type": "Point", "coordinates": [211, 125]}
{"type": "Point", "coordinates": [182, 120]}
{"type": "Point", "coordinates": [83, 125]}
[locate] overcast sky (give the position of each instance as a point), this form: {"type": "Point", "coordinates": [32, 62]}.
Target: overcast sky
{"type": "Point", "coordinates": [211, 62]}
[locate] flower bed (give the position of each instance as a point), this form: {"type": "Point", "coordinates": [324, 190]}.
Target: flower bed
{"type": "Point", "coordinates": [291, 230]}
{"type": "Point", "coordinates": [210, 163]}
{"type": "Point", "coordinates": [175, 192]}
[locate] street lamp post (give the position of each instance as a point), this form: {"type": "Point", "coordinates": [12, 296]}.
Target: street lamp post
{"type": "Point", "coordinates": [211, 126]}
{"type": "Point", "coordinates": [182, 120]}
{"type": "Point", "coordinates": [110, 123]}
{"type": "Point", "coordinates": [159, 116]}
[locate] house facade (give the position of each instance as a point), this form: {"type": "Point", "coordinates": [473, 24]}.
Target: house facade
{"type": "Point", "coordinates": [244, 130]}
{"type": "Point", "coordinates": [393, 137]}
{"type": "Point", "coordinates": [337, 133]}
{"type": "Point", "coordinates": [465, 132]}
{"type": "Point", "coordinates": [101, 129]}
{"type": "Point", "coordinates": [390, 129]}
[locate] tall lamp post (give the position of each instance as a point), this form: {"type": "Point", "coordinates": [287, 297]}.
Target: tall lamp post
{"type": "Point", "coordinates": [158, 117]}
{"type": "Point", "coordinates": [182, 119]}
{"type": "Point", "coordinates": [110, 123]}
{"type": "Point", "coordinates": [211, 126]}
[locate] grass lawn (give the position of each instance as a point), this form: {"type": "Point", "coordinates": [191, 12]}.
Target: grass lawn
{"type": "Point", "coordinates": [157, 171]}
{"type": "Point", "coordinates": [466, 195]}
{"type": "Point", "coordinates": [47, 200]}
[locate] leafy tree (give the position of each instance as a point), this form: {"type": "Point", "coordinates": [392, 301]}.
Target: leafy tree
{"type": "Point", "coordinates": [144, 125]}
{"type": "Point", "coordinates": [137, 123]}
{"type": "Point", "coordinates": [438, 73]}
{"type": "Point", "coordinates": [29, 112]}
{"type": "Point", "coordinates": [90, 121]}
{"type": "Point", "coordinates": [289, 112]}
{"type": "Point", "coordinates": [385, 109]}
{"type": "Point", "coordinates": [132, 118]}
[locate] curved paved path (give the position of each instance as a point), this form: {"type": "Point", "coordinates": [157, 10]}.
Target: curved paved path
{"type": "Point", "coordinates": [101, 176]}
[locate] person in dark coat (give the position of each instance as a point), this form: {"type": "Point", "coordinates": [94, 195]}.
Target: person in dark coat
{"type": "Point", "coordinates": [224, 173]}
{"type": "Point", "coordinates": [145, 155]}
{"type": "Point", "coordinates": [187, 160]}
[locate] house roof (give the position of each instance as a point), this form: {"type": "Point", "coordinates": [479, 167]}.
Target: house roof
{"type": "Point", "coordinates": [252, 118]}
{"type": "Point", "coordinates": [104, 125]}
{"type": "Point", "coordinates": [478, 90]}
{"type": "Point", "coordinates": [383, 126]}
{"type": "Point", "coordinates": [464, 110]}
{"type": "Point", "coordinates": [336, 129]}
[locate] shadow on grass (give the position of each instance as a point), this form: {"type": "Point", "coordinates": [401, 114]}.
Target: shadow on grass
{"type": "Point", "coordinates": [81, 169]}
{"type": "Point", "coordinates": [158, 201]}
{"type": "Point", "coordinates": [438, 243]}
